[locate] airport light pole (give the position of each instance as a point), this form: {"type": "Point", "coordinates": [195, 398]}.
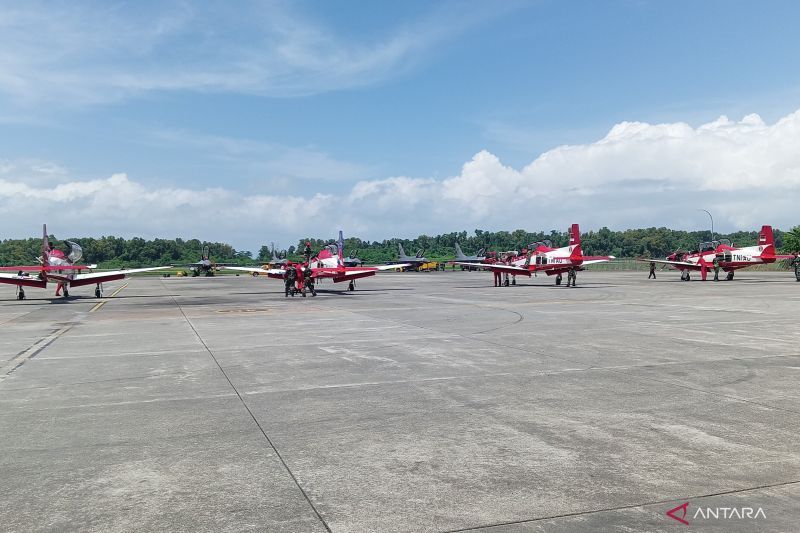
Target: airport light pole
{"type": "Point", "coordinates": [712, 222]}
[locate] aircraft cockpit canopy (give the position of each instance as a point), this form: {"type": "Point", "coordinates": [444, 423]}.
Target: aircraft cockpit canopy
{"type": "Point", "coordinates": [710, 246]}
{"type": "Point", "coordinates": [534, 245]}
{"type": "Point", "coordinates": [75, 252]}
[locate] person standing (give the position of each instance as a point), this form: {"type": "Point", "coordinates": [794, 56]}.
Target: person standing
{"type": "Point", "coordinates": [496, 277]}
{"type": "Point", "coordinates": [716, 269]}
{"type": "Point", "coordinates": [571, 276]}
{"type": "Point", "coordinates": [652, 270]}
{"type": "Point", "coordinates": [291, 277]}
{"type": "Point", "coordinates": [796, 265]}
{"type": "Point", "coordinates": [309, 279]}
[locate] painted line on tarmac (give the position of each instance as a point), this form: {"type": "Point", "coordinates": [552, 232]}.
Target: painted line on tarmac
{"type": "Point", "coordinates": [104, 302]}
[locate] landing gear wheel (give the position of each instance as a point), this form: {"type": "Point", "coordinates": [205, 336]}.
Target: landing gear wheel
{"type": "Point", "coordinates": [514, 281]}
{"type": "Point", "coordinates": [505, 283]}
{"type": "Point", "coordinates": [352, 286]}
{"type": "Point", "coordinates": [558, 279]}
{"type": "Point", "coordinates": [97, 292]}
{"type": "Point", "coordinates": [21, 294]}
{"type": "Point", "coordinates": [729, 277]}
{"type": "Point", "coordinates": [66, 292]}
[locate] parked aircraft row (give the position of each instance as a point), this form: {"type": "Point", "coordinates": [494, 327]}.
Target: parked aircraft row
{"type": "Point", "coordinates": [330, 263]}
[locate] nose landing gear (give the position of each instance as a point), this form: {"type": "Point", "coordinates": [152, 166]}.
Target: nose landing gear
{"type": "Point", "coordinates": [20, 293]}
{"type": "Point", "coordinates": [98, 291]}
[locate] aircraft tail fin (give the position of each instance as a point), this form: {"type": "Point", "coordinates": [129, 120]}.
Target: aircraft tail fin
{"type": "Point", "coordinates": [459, 253]}
{"type": "Point", "coordinates": [401, 251]}
{"type": "Point", "coordinates": [575, 241]}
{"type": "Point", "coordinates": [340, 247]}
{"type": "Point", "coordinates": [766, 240]}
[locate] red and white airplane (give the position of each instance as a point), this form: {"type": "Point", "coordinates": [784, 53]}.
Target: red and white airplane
{"type": "Point", "coordinates": [542, 257]}
{"type": "Point", "coordinates": [328, 263]}
{"type": "Point", "coordinates": [728, 257]}
{"type": "Point", "coordinates": [58, 268]}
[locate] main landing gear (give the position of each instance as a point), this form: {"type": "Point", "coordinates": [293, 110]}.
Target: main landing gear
{"type": "Point", "coordinates": [558, 279]}
{"type": "Point", "coordinates": [729, 277]}
{"type": "Point", "coordinates": [352, 285]}
{"type": "Point", "coordinates": [20, 293]}
{"type": "Point", "coordinates": [98, 291]}
{"type": "Point", "coordinates": [685, 275]}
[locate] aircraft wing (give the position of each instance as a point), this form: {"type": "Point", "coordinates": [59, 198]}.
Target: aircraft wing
{"type": "Point", "coordinates": [506, 269]}
{"type": "Point", "coordinates": [389, 267]}
{"type": "Point", "coordinates": [668, 262]}
{"type": "Point", "coordinates": [98, 276]}
{"type": "Point", "coordinates": [27, 281]}
{"type": "Point", "coordinates": [590, 260]}
{"type": "Point", "coordinates": [258, 270]}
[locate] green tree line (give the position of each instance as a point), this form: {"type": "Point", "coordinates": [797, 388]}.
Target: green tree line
{"type": "Point", "coordinates": [645, 242]}
{"type": "Point", "coordinates": [114, 252]}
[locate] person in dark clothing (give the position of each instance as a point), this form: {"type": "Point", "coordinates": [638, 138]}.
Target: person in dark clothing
{"type": "Point", "coordinates": [309, 279]}
{"type": "Point", "coordinates": [796, 265]}
{"type": "Point", "coordinates": [652, 270]}
{"type": "Point", "coordinates": [716, 269]}
{"type": "Point", "coordinates": [307, 252]}
{"type": "Point", "coordinates": [291, 277]}
{"type": "Point", "coordinates": [571, 276]}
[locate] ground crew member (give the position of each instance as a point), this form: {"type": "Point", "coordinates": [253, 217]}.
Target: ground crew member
{"type": "Point", "coordinates": [300, 279]}
{"type": "Point", "coordinates": [716, 269]}
{"type": "Point", "coordinates": [571, 276]}
{"type": "Point", "coordinates": [652, 270]}
{"type": "Point", "coordinates": [309, 279]}
{"type": "Point", "coordinates": [307, 252]}
{"type": "Point", "coordinates": [291, 277]}
{"type": "Point", "coordinates": [496, 277]}
{"type": "Point", "coordinates": [796, 265]}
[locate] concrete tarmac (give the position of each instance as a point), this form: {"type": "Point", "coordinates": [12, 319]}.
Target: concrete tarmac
{"type": "Point", "coordinates": [421, 402]}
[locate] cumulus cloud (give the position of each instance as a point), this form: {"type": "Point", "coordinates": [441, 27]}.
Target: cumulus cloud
{"type": "Point", "coordinates": [746, 172]}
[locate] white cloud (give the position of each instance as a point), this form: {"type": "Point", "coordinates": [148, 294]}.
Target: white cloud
{"type": "Point", "coordinates": [746, 172]}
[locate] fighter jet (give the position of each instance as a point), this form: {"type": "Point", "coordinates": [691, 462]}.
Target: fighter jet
{"type": "Point", "coordinates": [413, 262]}
{"type": "Point", "coordinates": [328, 263]}
{"type": "Point", "coordinates": [542, 257]}
{"type": "Point", "coordinates": [352, 260]}
{"type": "Point", "coordinates": [204, 266]}
{"type": "Point", "coordinates": [722, 253]}
{"type": "Point", "coordinates": [277, 260]}
{"type": "Point", "coordinates": [63, 270]}
{"type": "Point", "coordinates": [479, 257]}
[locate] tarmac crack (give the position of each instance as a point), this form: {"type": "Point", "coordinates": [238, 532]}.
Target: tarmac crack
{"type": "Point", "coordinates": [255, 420]}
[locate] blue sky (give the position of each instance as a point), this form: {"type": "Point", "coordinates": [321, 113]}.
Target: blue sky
{"type": "Point", "coordinates": [253, 122]}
